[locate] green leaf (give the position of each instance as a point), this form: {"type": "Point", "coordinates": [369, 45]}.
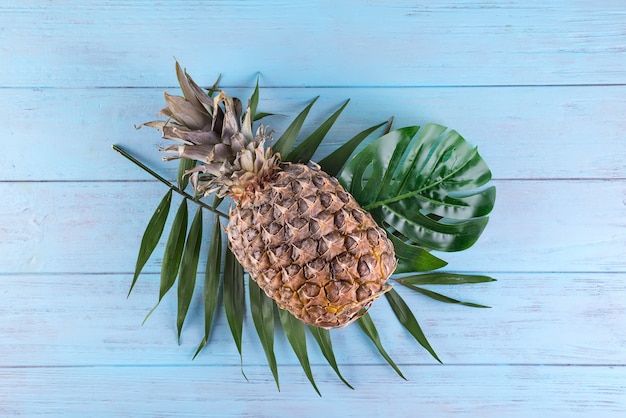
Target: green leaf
{"type": "Point", "coordinates": [173, 254]}
{"type": "Point", "coordinates": [288, 138]}
{"type": "Point", "coordinates": [294, 330]}
{"type": "Point", "coordinates": [333, 163]}
{"type": "Point", "coordinates": [174, 249]}
{"type": "Point", "coordinates": [262, 309]}
{"type": "Point", "coordinates": [367, 326]}
{"type": "Point", "coordinates": [414, 258]}
{"type": "Point", "coordinates": [214, 88]}
{"type": "Point", "coordinates": [261, 115]}
{"type": "Point", "coordinates": [152, 234]}
{"type": "Point", "coordinates": [322, 336]}
{"type": "Point", "coordinates": [234, 297]}
{"type": "Point", "coordinates": [211, 281]}
{"type": "Point", "coordinates": [369, 171]}
{"type": "Point", "coordinates": [189, 269]}
{"type": "Point", "coordinates": [428, 184]}
{"type": "Point", "coordinates": [442, 298]}
{"type": "Point", "coordinates": [305, 150]}
{"type": "Point", "coordinates": [407, 319]}
{"type": "Point", "coordinates": [444, 279]}
{"type": "Point", "coordinates": [184, 165]}
{"type": "Point", "coordinates": [254, 101]}
{"type": "Point", "coordinates": [246, 126]}
{"type": "Point", "coordinates": [428, 232]}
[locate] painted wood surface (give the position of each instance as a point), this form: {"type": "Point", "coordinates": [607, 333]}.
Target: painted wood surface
{"type": "Point", "coordinates": [539, 87]}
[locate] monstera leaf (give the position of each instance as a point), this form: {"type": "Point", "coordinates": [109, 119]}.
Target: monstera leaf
{"type": "Point", "coordinates": [427, 187]}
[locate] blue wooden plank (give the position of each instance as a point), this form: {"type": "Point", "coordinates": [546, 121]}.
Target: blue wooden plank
{"type": "Point", "coordinates": [459, 391]}
{"type": "Point", "coordinates": [98, 43]}
{"type": "Point", "coordinates": [566, 226]}
{"type": "Point", "coordinates": [72, 212]}
{"type": "Point", "coordinates": [86, 320]}
{"type": "Point", "coordinates": [67, 134]}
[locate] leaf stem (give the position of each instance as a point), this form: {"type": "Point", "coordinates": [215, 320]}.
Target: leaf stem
{"type": "Point", "coordinates": [168, 183]}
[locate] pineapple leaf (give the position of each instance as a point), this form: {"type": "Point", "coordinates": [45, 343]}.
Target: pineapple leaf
{"type": "Point", "coordinates": [234, 298]}
{"type": "Point", "coordinates": [428, 184]}
{"type": "Point", "coordinates": [322, 336]}
{"type": "Point", "coordinates": [367, 326]}
{"type": "Point", "coordinates": [188, 269]}
{"type": "Point", "coordinates": [333, 163]}
{"type": "Point", "coordinates": [211, 281]}
{"type": "Point", "coordinates": [294, 330]}
{"type": "Point", "coordinates": [246, 126]}
{"type": "Point", "coordinates": [184, 165]}
{"type": "Point", "coordinates": [184, 112]}
{"type": "Point", "coordinates": [444, 279]}
{"type": "Point", "coordinates": [262, 310]}
{"type": "Point", "coordinates": [214, 88]}
{"type": "Point", "coordinates": [151, 236]}
{"type": "Point", "coordinates": [442, 298]}
{"type": "Point", "coordinates": [288, 138]}
{"type": "Point", "coordinates": [412, 258]}
{"type": "Point", "coordinates": [188, 89]}
{"type": "Point", "coordinates": [305, 150]}
{"type": "Point", "coordinates": [254, 101]}
{"type": "Point", "coordinates": [407, 319]}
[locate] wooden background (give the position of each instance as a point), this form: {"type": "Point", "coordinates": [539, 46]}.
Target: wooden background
{"type": "Point", "coordinates": [539, 86]}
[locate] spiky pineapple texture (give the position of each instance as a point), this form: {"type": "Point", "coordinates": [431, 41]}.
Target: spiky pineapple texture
{"type": "Point", "coordinates": [304, 239]}
{"type": "Point", "coordinates": [311, 247]}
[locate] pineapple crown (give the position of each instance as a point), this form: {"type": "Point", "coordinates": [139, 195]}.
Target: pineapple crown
{"type": "Point", "coordinates": [213, 132]}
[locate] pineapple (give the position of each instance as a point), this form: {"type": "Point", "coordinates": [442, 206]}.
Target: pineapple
{"type": "Point", "coordinates": [304, 239]}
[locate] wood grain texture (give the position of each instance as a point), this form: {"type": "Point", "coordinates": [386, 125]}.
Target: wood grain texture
{"type": "Point", "coordinates": [66, 134]}
{"type": "Point", "coordinates": [300, 43]}
{"type": "Point", "coordinates": [539, 87]}
{"type": "Point", "coordinates": [536, 226]}
{"type": "Point", "coordinates": [459, 391]}
{"type": "Point", "coordinates": [85, 320]}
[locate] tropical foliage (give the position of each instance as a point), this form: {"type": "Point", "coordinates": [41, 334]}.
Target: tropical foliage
{"type": "Point", "coordinates": [428, 187]}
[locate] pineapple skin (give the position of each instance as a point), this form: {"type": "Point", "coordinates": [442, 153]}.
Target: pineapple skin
{"type": "Point", "coordinates": [310, 246]}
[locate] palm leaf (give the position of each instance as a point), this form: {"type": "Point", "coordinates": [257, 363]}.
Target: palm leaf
{"type": "Point", "coordinates": [294, 330]}
{"type": "Point", "coordinates": [234, 298]}
{"type": "Point", "coordinates": [262, 309]}
{"type": "Point", "coordinates": [173, 254]}
{"type": "Point", "coordinates": [181, 178]}
{"type": "Point", "coordinates": [443, 298]}
{"type": "Point", "coordinates": [305, 150]}
{"type": "Point", "coordinates": [211, 281]}
{"type": "Point", "coordinates": [407, 319]}
{"type": "Point", "coordinates": [288, 138]}
{"type": "Point", "coordinates": [427, 184]}
{"type": "Point", "coordinates": [367, 326]}
{"type": "Point", "coordinates": [188, 269]}
{"type": "Point", "coordinates": [151, 236]}
{"type": "Point", "coordinates": [444, 279]}
{"type": "Point", "coordinates": [333, 163]}
{"type": "Point", "coordinates": [322, 336]}
{"type": "Point", "coordinates": [174, 249]}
